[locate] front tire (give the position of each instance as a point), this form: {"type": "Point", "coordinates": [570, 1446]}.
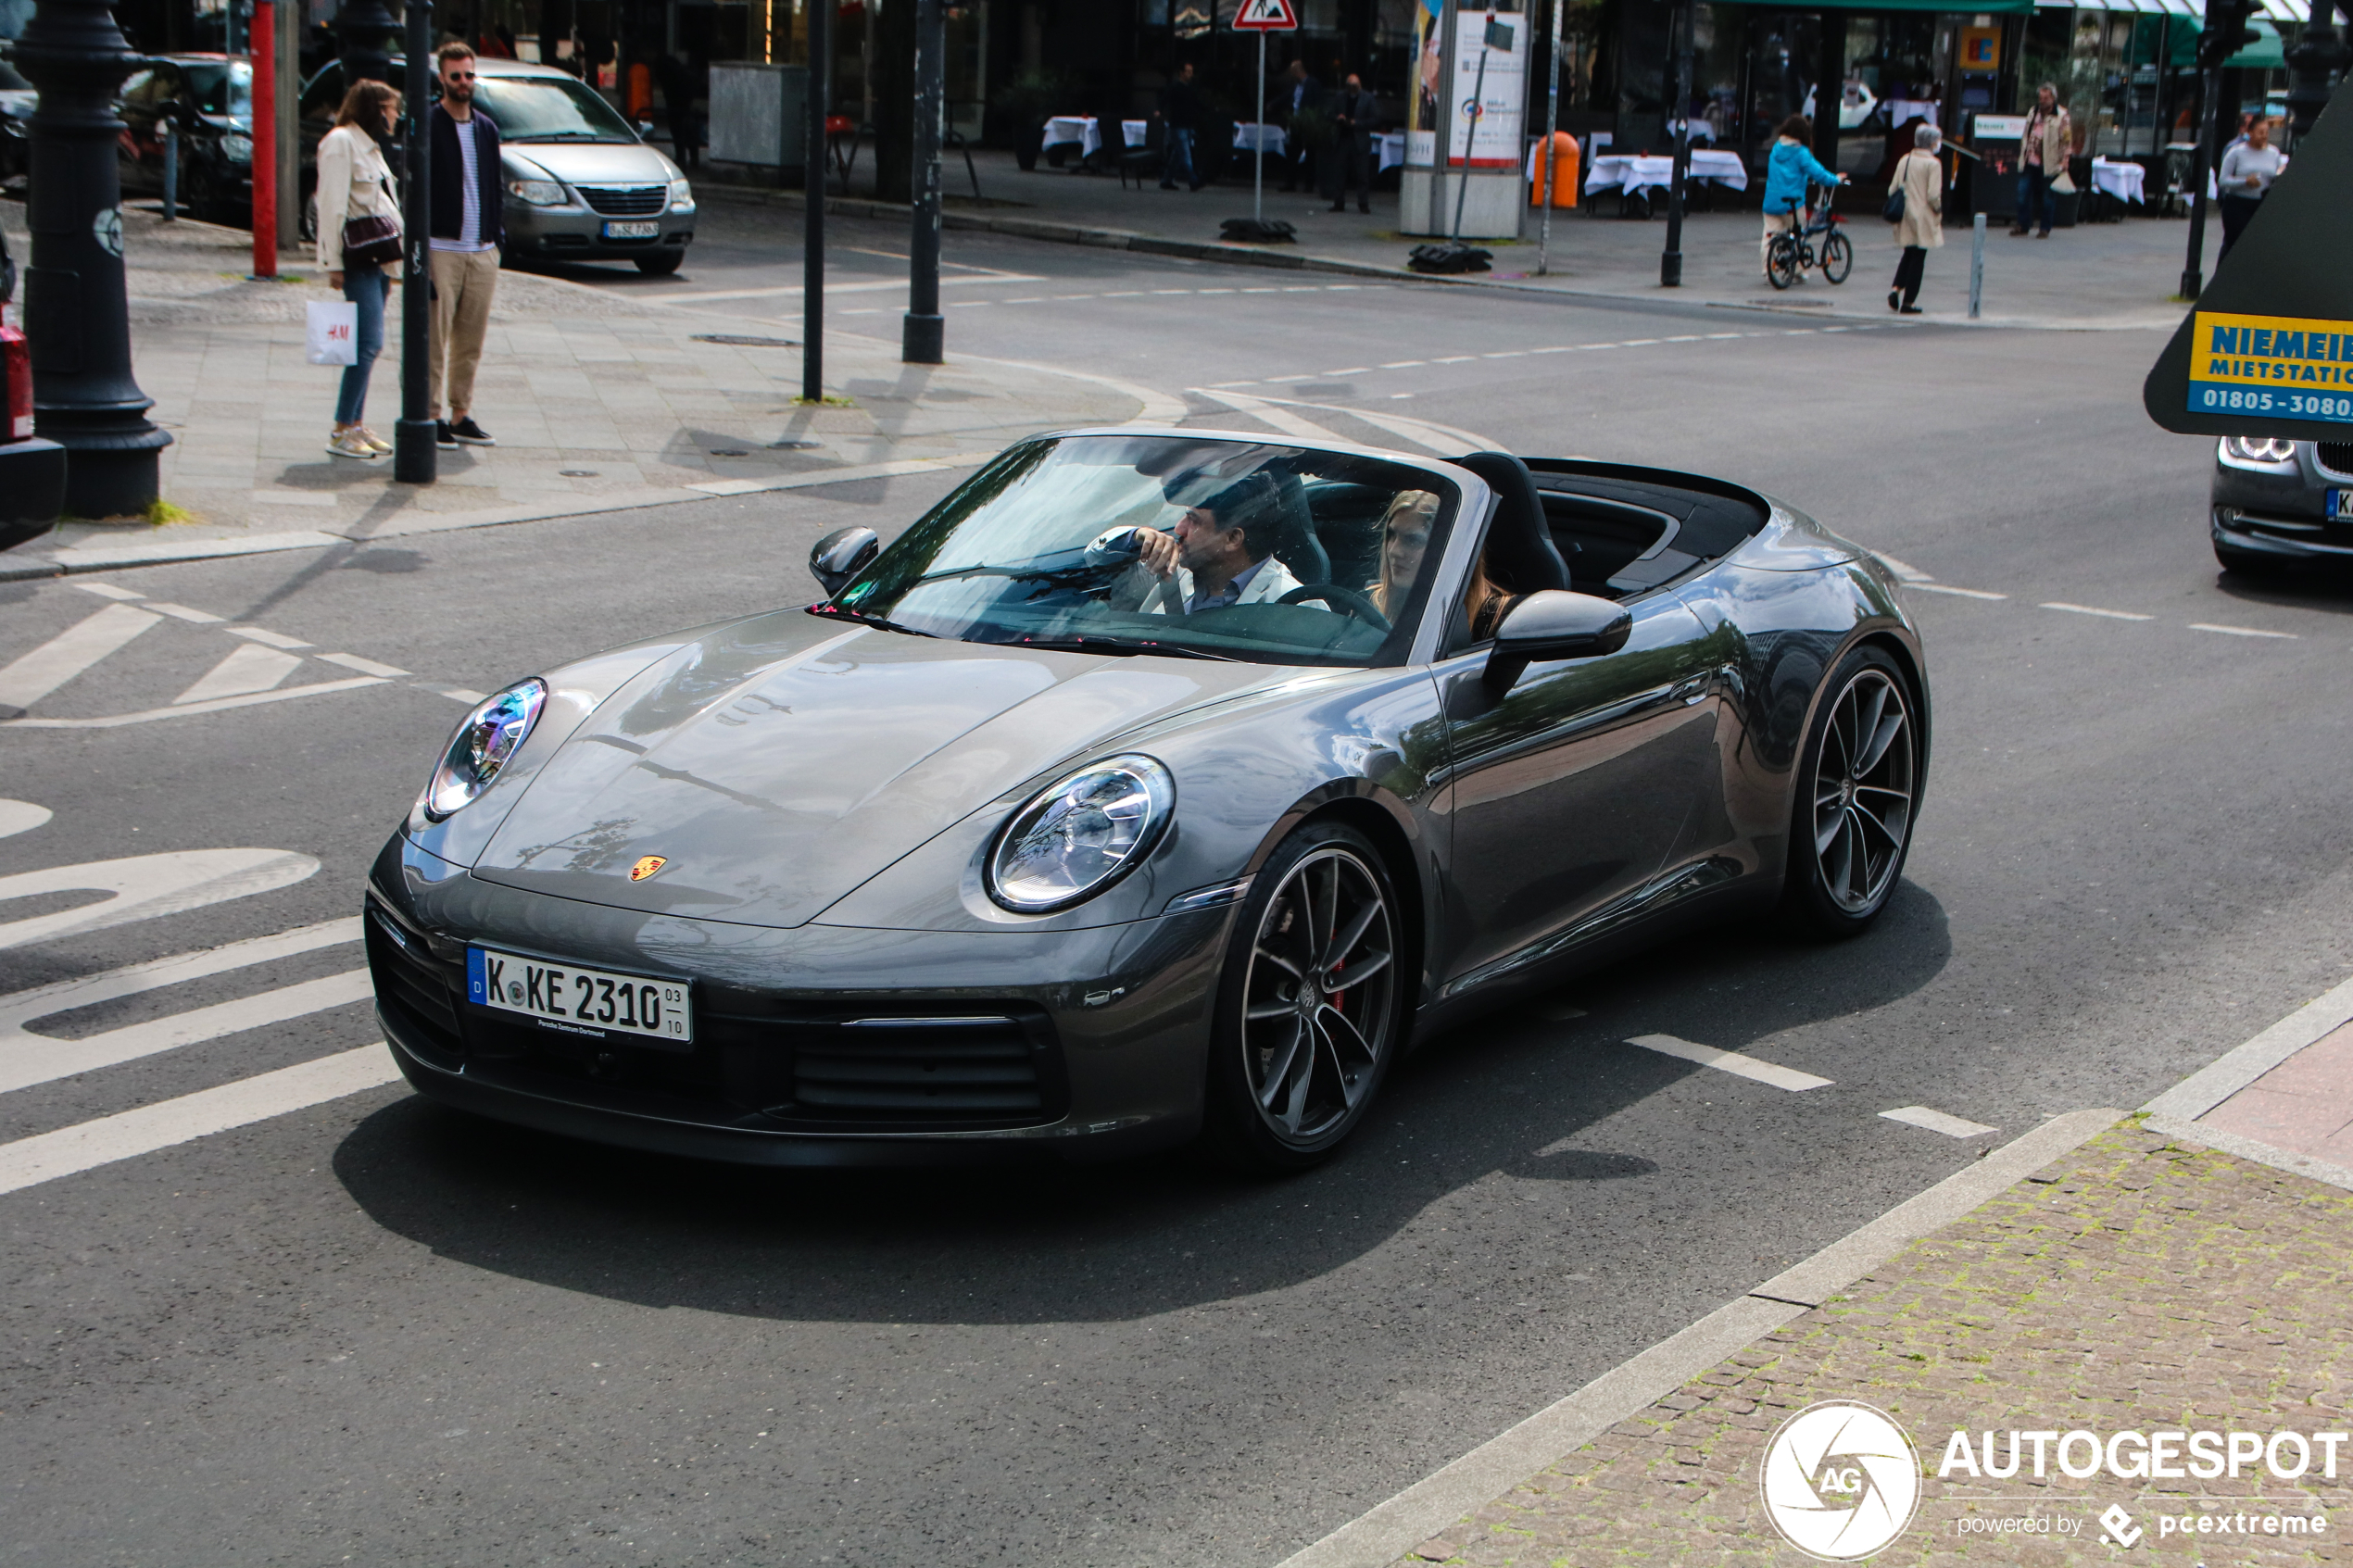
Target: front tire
{"type": "Point", "coordinates": [661, 266]}
{"type": "Point", "coordinates": [1312, 1007]}
{"type": "Point", "coordinates": [1838, 258]}
{"type": "Point", "coordinates": [1857, 795]}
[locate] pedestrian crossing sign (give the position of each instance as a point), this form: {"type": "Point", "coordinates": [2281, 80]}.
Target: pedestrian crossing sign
{"type": "Point", "coordinates": [1267, 15]}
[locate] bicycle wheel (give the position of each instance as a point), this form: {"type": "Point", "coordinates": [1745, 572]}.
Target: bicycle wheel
{"type": "Point", "coordinates": [1838, 258]}
{"type": "Point", "coordinates": [1781, 261]}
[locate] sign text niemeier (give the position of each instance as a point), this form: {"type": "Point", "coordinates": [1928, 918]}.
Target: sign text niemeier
{"type": "Point", "coordinates": [2291, 366]}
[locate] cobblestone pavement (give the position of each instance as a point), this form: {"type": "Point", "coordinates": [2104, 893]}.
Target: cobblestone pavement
{"type": "Point", "coordinates": [2141, 1283]}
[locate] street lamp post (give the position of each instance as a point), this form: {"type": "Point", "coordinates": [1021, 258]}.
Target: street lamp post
{"type": "Point", "coordinates": [366, 30]}
{"type": "Point", "coordinates": [2226, 34]}
{"type": "Point", "coordinates": [1670, 261]}
{"type": "Point", "coordinates": [923, 340]}
{"type": "Point", "coordinates": [413, 453]}
{"type": "Point", "coordinates": [76, 315]}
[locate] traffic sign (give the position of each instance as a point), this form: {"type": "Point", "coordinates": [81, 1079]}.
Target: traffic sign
{"type": "Point", "coordinates": [1267, 15]}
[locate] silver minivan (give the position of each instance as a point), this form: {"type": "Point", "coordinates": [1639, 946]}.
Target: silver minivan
{"type": "Point", "coordinates": [580, 184]}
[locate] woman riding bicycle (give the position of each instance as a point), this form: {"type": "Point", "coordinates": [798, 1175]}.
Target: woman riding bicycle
{"type": "Point", "coordinates": [1791, 168]}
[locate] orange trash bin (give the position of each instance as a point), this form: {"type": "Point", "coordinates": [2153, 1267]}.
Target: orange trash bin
{"type": "Point", "coordinates": [1564, 182]}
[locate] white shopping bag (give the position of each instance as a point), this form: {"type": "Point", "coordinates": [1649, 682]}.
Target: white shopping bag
{"type": "Point", "coordinates": [333, 332]}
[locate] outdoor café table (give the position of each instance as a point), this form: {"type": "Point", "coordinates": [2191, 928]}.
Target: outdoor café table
{"type": "Point", "coordinates": [2122, 180]}
{"type": "Point", "coordinates": [1632, 173]}
{"type": "Point", "coordinates": [1251, 137]}
{"type": "Point", "coordinates": [1390, 145]}
{"type": "Point", "coordinates": [1065, 129]}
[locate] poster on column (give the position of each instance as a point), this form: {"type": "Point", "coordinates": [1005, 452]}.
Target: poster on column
{"type": "Point", "coordinates": [1488, 114]}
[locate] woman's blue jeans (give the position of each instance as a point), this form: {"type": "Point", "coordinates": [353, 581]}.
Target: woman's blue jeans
{"type": "Point", "coordinates": [367, 288]}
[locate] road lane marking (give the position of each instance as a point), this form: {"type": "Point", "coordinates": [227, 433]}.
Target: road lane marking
{"type": "Point", "coordinates": [1937, 1121]}
{"type": "Point", "coordinates": [2092, 610]}
{"type": "Point", "coordinates": [88, 1145]}
{"type": "Point", "coordinates": [146, 888]}
{"type": "Point", "coordinates": [181, 612]}
{"type": "Point", "coordinates": [460, 694]}
{"type": "Point", "coordinates": [2240, 630]}
{"type": "Point", "coordinates": [782, 291]}
{"type": "Point", "coordinates": [33, 1059]}
{"type": "Point", "coordinates": [147, 716]}
{"type": "Point", "coordinates": [247, 669]}
{"type": "Point", "coordinates": [1349, 370]}
{"type": "Point", "coordinates": [34, 675]}
{"type": "Point", "coordinates": [1271, 416]}
{"type": "Point", "coordinates": [21, 816]}
{"type": "Point", "coordinates": [106, 590]}
{"type": "Point", "coordinates": [261, 634]}
{"type": "Point", "coordinates": [63, 996]}
{"type": "Point", "coordinates": [1958, 593]}
{"type": "Point", "coordinates": [1450, 441]}
{"type": "Point", "coordinates": [1734, 1062]}
{"type": "Point", "coordinates": [365, 666]}
{"type": "Point", "coordinates": [1908, 573]}
{"type": "Point", "coordinates": [1404, 365]}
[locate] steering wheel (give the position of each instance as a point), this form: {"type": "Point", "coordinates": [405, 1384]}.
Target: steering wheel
{"type": "Point", "coordinates": [1347, 599]}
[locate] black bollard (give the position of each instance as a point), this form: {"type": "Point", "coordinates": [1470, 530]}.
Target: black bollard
{"type": "Point", "coordinates": [414, 460]}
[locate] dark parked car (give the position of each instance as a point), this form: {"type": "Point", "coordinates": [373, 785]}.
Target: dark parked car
{"type": "Point", "coordinates": [209, 97]}
{"type": "Point", "coordinates": [1008, 847]}
{"type": "Point", "coordinates": [580, 186]}
{"type": "Point", "coordinates": [2278, 503]}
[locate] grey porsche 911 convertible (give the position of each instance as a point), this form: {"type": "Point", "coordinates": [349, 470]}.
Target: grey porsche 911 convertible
{"type": "Point", "coordinates": [1156, 785]}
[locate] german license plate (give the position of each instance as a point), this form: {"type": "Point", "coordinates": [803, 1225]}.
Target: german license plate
{"type": "Point", "coordinates": [638, 231]}
{"type": "Point", "coordinates": [2340, 505]}
{"type": "Point", "coordinates": [574, 999]}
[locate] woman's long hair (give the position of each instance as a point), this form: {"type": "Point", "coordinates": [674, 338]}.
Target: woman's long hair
{"type": "Point", "coordinates": [363, 107]}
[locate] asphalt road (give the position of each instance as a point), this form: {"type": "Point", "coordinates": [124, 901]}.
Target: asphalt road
{"type": "Point", "coordinates": [372, 1331]}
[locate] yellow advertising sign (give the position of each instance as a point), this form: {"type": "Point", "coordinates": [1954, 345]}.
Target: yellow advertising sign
{"type": "Point", "coordinates": [2278, 365]}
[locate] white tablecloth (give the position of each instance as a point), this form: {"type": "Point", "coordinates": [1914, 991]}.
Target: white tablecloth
{"type": "Point", "coordinates": [2119, 179]}
{"type": "Point", "coordinates": [1630, 173]}
{"type": "Point", "coordinates": [1086, 133]}
{"type": "Point", "coordinates": [1902, 109]}
{"type": "Point", "coordinates": [1389, 148]}
{"type": "Point", "coordinates": [1250, 137]}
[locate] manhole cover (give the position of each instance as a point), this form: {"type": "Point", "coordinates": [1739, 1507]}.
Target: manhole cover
{"type": "Point", "coordinates": [794, 444]}
{"type": "Point", "coordinates": [737, 340]}
{"type": "Point", "coordinates": [577, 474]}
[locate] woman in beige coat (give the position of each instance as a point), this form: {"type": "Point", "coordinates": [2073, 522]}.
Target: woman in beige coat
{"type": "Point", "coordinates": [353, 183]}
{"type": "Point", "coordinates": [1919, 174]}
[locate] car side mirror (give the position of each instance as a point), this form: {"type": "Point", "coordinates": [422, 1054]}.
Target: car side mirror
{"type": "Point", "coordinates": [1556, 623]}
{"type": "Point", "coordinates": [842, 555]}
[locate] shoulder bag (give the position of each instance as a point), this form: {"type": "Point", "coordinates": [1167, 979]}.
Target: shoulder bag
{"type": "Point", "coordinates": [371, 240]}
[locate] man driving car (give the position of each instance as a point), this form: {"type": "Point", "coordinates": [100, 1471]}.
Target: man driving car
{"type": "Point", "coordinates": [1221, 554]}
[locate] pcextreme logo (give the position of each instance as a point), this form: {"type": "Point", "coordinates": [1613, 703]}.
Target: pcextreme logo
{"type": "Point", "coordinates": [1841, 1480]}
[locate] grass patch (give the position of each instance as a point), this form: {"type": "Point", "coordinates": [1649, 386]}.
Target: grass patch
{"type": "Point", "coordinates": [828, 401]}
{"type": "Point", "coordinates": [162, 513]}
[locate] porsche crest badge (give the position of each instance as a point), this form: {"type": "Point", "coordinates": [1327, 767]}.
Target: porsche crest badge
{"type": "Point", "coordinates": [647, 865]}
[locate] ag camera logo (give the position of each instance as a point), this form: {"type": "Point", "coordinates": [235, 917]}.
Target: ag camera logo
{"type": "Point", "coordinates": [1841, 1480]}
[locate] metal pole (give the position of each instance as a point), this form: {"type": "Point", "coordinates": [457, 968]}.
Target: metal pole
{"type": "Point", "coordinates": [1552, 159]}
{"type": "Point", "coordinates": [1258, 140]}
{"type": "Point", "coordinates": [287, 44]}
{"type": "Point", "coordinates": [1670, 261]}
{"type": "Point", "coordinates": [171, 173]}
{"type": "Point", "coordinates": [262, 34]}
{"type": "Point", "coordinates": [76, 312]}
{"type": "Point", "coordinates": [923, 338]}
{"type": "Point", "coordinates": [413, 459]}
{"type": "Point", "coordinates": [2193, 265]}
{"type": "Point", "coordinates": [1442, 135]}
{"type": "Point", "coordinates": [1976, 264]}
{"type": "Point", "coordinates": [813, 234]}
{"type": "Point", "coordinates": [1477, 112]}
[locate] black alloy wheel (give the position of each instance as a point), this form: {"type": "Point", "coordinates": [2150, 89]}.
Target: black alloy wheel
{"type": "Point", "coordinates": [1856, 796]}
{"type": "Point", "coordinates": [1311, 1008]}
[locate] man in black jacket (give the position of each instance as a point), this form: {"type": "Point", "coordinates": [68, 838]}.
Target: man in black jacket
{"type": "Point", "coordinates": [466, 231]}
{"type": "Point", "coordinates": [1352, 117]}
{"type": "Point", "coordinates": [1180, 112]}
{"type": "Point", "coordinates": [1301, 101]}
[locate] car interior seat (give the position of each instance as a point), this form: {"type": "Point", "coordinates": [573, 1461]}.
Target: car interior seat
{"type": "Point", "coordinates": [1297, 546]}
{"type": "Point", "coordinates": [1519, 551]}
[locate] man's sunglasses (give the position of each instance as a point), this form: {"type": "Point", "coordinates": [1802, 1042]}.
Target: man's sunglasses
{"type": "Point", "coordinates": [457, 75]}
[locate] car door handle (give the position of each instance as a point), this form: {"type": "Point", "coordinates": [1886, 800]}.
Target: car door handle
{"type": "Point", "coordinates": [1690, 691]}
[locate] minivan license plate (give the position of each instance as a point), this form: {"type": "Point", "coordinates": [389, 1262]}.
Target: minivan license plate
{"type": "Point", "coordinates": [571, 999]}
{"type": "Point", "coordinates": [642, 230]}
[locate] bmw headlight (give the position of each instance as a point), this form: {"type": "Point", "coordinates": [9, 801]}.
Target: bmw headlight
{"type": "Point", "coordinates": [2267, 454]}
{"type": "Point", "coordinates": [237, 147]}
{"type": "Point", "coordinates": [1081, 835]}
{"type": "Point", "coordinates": [538, 193]}
{"type": "Point", "coordinates": [682, 196]}
{"type": "Point", "coordinates": [485, 742]}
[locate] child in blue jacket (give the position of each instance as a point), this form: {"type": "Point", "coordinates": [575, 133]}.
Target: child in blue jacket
{"type": "Point", "coordinates": [1787, 173]}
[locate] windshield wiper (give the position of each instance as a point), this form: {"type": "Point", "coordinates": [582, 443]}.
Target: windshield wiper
{"type": "Point", "coordinates": [1121, 645]}
{"type": "Point", "coordinates": [865, 619]}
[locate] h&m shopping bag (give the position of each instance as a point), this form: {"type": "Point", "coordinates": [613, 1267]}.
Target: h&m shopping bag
{"type": "Point", "coordinates": [333, 332]}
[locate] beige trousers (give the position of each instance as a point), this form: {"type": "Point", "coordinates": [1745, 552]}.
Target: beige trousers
{"type": "Point", "coordinates": [1775, 223]}
{"type": "Point", "coordinates": [462, 285]}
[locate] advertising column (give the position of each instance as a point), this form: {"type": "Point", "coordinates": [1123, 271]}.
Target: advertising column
{"type": "Point", "coordinates": [1484, 93]}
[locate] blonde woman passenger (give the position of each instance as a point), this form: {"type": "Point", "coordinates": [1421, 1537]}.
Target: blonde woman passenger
{"type": "Point", "coordinates": [355, 182]}
{"type": "Point", "coordinates": [1405, 545]}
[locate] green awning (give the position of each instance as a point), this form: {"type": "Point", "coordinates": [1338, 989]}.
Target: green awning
{"type": "Point", "coordinates": [1999, 7]}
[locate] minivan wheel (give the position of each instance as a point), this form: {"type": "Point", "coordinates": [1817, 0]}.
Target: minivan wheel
{"type": "Point", "coordinates": [661, 265]}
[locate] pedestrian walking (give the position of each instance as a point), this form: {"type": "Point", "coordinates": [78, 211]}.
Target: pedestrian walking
{"type": "Point", "coordinates": [1353, 119]}
{"type": "Point", "coordinates": [1303, 98]}
{"type": "Point", "coordinates": [1920, 178]}
{"type": "Point", "coordinates": [676, 79]}
{"type": "Point", "coordinates": [1790, 169]}
{"type": "Point", "coordinates": [355, 184]}
{"type": "Point", "coordinates": [2247, 172]}
{"type": "Point", "coordinates": [465, 235]}
{"type": "Point", "coordinates": [2042, 158]}
{"type": "Point", "coordinates": [1180, 115]}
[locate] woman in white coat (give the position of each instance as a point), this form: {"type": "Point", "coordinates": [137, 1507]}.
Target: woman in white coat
{"type": "Point", "coordinates": [353, 183]}
{"type": "Point", "coordinates": [1919, 174]}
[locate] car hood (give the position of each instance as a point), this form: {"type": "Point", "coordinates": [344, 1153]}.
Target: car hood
{"type": "Point", "coordinates": [594, 163]}
{"type": "Point", "coordinates": [777, 763]}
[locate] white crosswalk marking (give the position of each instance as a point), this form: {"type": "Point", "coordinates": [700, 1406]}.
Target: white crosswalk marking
{"type": "Point", "coordinates": [20, 816]}
{"type": "Point", "coordinates": [36, 674]}
{"type": "Point", "coordinates": [1275, 418]}
{"type": "Point", "coordinates": [27, 1058]}
{"type": "Point", "coordinates": [146, 886]}
{"type": "Point", "coordinates": [1736, 1063]}
{"type": "Point", "coordinates": [248, 668]}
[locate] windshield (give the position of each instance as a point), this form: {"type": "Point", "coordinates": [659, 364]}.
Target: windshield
{"type": "Point", "coordinates": [546, 109]}
{"type": "Point", "coordinates": [220, 88]}
{"type": "Point", "coordinates": [1198, 548]}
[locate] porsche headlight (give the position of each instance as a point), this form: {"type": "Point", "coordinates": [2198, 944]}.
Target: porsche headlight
{"type": "Point", "coordinates": [1081, 835]}
{"type": "Point", "coordinates": [538, 193]}
{"type": "Point", "coordinates": [485, 742]}
{"type": "Point", "coordinates": [682, 196]}
{"type": "Point", "coordinates": [2265, 453]}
